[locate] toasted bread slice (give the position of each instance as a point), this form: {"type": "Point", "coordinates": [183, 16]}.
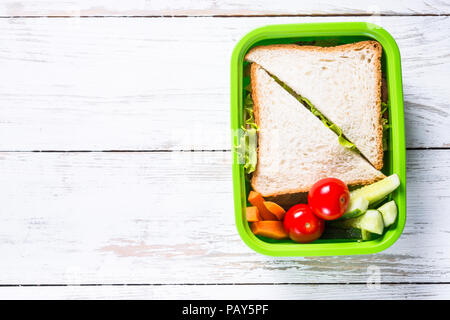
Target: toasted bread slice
{"type": "Point", "coordinates": [342, 82]}
{"type": "Point", "coordinates": [295, 149]}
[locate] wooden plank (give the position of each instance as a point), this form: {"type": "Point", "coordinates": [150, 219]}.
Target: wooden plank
{"type": "Point", "coordinates": [223, 8]}
{"type": "Point", "coordinates": [167, 218]}
{"type": "Point", "coordinates": [163, 84]}
{"type": "Point", "coordinates": [234, 292]}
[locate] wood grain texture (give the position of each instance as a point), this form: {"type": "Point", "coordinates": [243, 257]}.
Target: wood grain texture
{"type": "Point", "coordinates": [223, 8]}
{"type": "Point", "coordinates": [163, 84]}
{"type": "Point", "coordinates": [168, 218]}
{"type": "Point", "coordinates": [234, 292]}
{"type": "Point", "coordinates": [105, 218]}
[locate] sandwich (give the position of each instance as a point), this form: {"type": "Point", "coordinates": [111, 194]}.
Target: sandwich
{"type": "Point", "coordinates": [343, 83]}
{"type": "Point", "coordinates": [295, 149]}
{"type": "Point", "coordinates": [318, 114]}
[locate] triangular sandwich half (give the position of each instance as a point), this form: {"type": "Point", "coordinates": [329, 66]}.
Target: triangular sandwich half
{"type": "Point", "coordinates": [342, 82]}
{"type": "Point", "coordinates": [295, 149]}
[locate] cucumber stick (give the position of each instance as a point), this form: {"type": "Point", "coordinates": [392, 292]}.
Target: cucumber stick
{"type": "Point", "coordinates": [389, 213]}
{"type": "Point", "coordinates": [371, 221]}
{"type": "Point", "coordinates": [338, 233]}
{"type": "Point", "coordinates": [372, 193]}
{"type": "Point", "coordinates": [376, 191]}
{"type": "Point", "coordinates": [366, 235]}
{"type": "Point", "coordinates": [356, 208]}
{"type": "Point", "coordinates": [347, 234]}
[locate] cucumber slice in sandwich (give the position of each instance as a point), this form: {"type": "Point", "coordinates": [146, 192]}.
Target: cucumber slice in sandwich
{"type": "Point", "coordinates": [389, 213]}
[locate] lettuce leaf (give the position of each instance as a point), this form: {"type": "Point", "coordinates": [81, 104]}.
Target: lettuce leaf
{"type": "Point", "coordinates": [386, 126]}
{"type": "Point", "coordinates": [247, 148]}
{"type": "Point", "coordinates": [250, 157]}
{"type": "Point", "coordinates": [247, 136]}
{"type": "Point", "coordinates": [341, 138]}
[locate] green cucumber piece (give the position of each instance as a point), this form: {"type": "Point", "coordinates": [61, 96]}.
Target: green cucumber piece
{"type": "Point", "coordinates": [367, 235]}
{"type": "Point", "coordinates": [388, 212]}
{"type": "Point", "coordinates": [339, 233]}
{"type": "Point", "coordinates": [332, 232]}
{"type": "Point", "coordinates": [356, 208]}
{"type": "Point", "coordinates": [346, 223]}
{"type": "Point", "coordinates": [372, 221]}
{"type": "Point", "coordinates": [378, 203]}
{"type": "Point", "coordinates": [376, 191]}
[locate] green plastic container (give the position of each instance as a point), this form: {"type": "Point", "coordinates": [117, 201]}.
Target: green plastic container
{"type": "Point", "coordinates": [394, 157]}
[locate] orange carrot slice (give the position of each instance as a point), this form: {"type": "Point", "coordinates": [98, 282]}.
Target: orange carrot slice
{"type": "Point", "coordinates": [275, 209]}
{"type": "Point", "coordinates": [256, 199]}
{"type": "Point", "coordinates": [253, 214]}
{"type": "Point", "coordinates": [269, 229]}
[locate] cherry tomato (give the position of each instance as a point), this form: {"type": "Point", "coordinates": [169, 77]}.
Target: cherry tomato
{"type": "Point", "coordinates": [302, 225]}
{"type": "Point", "coordinates": [328, 198]}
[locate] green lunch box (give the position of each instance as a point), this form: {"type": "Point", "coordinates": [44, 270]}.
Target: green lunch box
{"type": "Point", "coordinates": [394, 157]}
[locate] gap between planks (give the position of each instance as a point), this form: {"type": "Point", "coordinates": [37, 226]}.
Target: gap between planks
{"type": "Point", "coordinates": [234, 292]}
{"type": "Point", "coordinates": [216, 284]}
{"type": "Point", "coordinates": [163, 151]}
{"type": "Point", "coordinates": [237, 16]}
{"type": "Point", "coordinates": [91, 218]}
{"type": "Point", "coordinates": [114, 151]}
{"type": "Point", "coordinates": [135, 111]}
{"type": "Point", "coordinates": [208, 8]}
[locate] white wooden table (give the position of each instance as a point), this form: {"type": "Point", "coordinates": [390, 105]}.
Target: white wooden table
{"type": "Point", "coordinates": [115, 153]}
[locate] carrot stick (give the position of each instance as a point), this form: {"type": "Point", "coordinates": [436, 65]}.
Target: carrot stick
{"type": "Point", "coordinates": [253, 214]}
{"type": "Point", "coordinates": [275, 209]}
{"type": "Point", "coordinates": [269, 229]}
{"type": "Point", "coordinates": [256, 199]}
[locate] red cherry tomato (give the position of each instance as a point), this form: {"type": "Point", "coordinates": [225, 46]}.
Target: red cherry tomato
{"type": "Point", "coordinates": [328, 198]}
{"type": "Point", "coordinates": [302, 225]}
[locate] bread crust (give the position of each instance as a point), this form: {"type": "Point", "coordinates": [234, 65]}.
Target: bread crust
{"type": "Point", "coordinates": [254, 83]}
{"type": "Point", "coordinates": [371, 44]}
